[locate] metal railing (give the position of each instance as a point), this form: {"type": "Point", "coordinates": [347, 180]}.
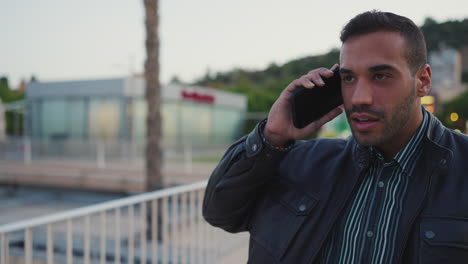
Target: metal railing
{"type": "Point", "coordinates": [164, 226]}
{"type": "Point", "coordinates": [102, 153]}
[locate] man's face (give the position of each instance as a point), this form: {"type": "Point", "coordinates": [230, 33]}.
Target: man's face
{"type": "Point", "coordinates": [378, 89]}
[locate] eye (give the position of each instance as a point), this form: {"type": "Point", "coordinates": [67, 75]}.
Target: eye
{"type": "Point", "coordinates": [380, 76]}
{"type": "Point", "coordinates": [347, 78]}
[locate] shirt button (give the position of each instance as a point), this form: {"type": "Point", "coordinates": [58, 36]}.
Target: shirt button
{"type": "Point", "coordinates": [381, 184]}
{"type": "Point", "coordinates": [254, 147]}
{"type": "Point", "coordinates": [370, 234]}
{"type": "Point", "coordinates": [443, 161]}
{"type": "Point", "coordinates": [429, 234]}
{"type": "Point", "coordinates": [302, 208]}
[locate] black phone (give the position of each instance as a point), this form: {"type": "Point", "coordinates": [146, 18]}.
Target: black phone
{"type": "Point", "coordinates": [308, 105]}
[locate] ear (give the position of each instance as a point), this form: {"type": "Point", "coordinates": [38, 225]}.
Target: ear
{"type": "Point", "coordinates": [423, 80]}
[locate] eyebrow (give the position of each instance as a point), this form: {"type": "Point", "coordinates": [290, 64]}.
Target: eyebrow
{"type": "Point", "coordinates": [345, 71]}
{"type": "Point", "coordinates": [382, 67]}
{"type": "Point", "coordinates": [376, 68]}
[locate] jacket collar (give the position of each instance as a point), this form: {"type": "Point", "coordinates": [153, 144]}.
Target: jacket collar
{"type": "Point", "coordinates": [435, 130]}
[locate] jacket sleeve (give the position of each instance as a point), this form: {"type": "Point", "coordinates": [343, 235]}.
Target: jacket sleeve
{"type": "Point", "coordinates": [238, 180]}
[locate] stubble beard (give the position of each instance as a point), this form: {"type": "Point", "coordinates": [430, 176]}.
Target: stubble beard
{"type": "Point", "coordinates": [393, 123]}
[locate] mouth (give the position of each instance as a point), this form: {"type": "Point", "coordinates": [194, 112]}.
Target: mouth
{"type": "Point", "coordinates": [364, 122]}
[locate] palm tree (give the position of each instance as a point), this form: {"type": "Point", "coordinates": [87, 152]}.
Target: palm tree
{"type": "Point", "coordinates": [154, 178]}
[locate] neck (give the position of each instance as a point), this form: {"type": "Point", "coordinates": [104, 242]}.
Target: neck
{"type": "Point", "coordinates": [390, 149]}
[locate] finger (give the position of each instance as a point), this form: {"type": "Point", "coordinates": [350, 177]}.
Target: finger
{"type": "Point", "coordinates": [310, 80]}
{"type": "Point", "coordinates": [314, 77]}
{"type": "Point", "coordinates": [326, 73]}
{"type": "Point", "coordinates": [292, 86]}
{"type": "Point", "coordinates": [289, 90]}
{"type": "Point", "coordinates": [335, 66]}
{"type": "Point", "coordinates": [317, 76]}
{"type": "Point", "coordinates": [320, 71]}
{"type": "Point", "coordinates": [318, 80]}
{"type": "Point", "coordinates": [305, 82]}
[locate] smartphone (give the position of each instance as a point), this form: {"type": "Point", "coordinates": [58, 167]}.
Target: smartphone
{"type": "Point", "coordinates": [308, 105]}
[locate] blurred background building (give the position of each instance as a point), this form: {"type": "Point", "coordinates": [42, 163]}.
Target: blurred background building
{"type": "Point", "coordinates": [70, 118]}
{"type": "Point", "coordinates": [447, 67]}
{"type": "Point", "coordinates": [115, 109]}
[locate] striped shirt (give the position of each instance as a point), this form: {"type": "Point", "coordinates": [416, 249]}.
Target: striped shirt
{"type": "Point", "coordinates": [367, 230]}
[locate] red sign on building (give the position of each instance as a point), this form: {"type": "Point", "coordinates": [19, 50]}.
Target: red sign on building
{"type": "Point", "coordinates": [198, 97]}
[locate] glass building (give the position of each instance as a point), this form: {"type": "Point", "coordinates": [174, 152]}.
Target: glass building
{"type": "Point", "coordinates": [115, 110]}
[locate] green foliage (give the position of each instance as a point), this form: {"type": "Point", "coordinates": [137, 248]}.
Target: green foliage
{"type": "Point", "coordinates": [4, 89]}
{"type": "Point", "coordinates": [14, 123]}
{"type": "Point", "coordinates": [14, 120]}
{"type": "Point", "coordinates": [452, 33]}
{"type": "Point", "coordinates": [6, 94]}
{"type": "Point", "coordinates": [464, 77]}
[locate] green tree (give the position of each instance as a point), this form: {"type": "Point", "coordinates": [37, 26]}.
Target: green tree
{"type": "Point", "coordinates": [13, 119]}
{"type": "Point", "coordinates": [453, 33]}
{"type": "Point", "coordinates": [5, 92]}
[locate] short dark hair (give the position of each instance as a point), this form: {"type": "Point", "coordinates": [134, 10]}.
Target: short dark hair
{"type": "Point", "coordinates": [374, 21]}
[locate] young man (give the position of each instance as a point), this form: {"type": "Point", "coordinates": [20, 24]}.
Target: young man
{"type": "Point", "coordinates": [394, 192]}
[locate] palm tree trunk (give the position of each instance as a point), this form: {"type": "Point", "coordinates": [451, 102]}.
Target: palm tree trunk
{"type": "Point", "coordinates": [154, 178]}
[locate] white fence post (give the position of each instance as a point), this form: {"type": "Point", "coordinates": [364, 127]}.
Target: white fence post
{"type": "Point", "coordinates": [131, 236]}
{"type": "Point", "coordinates": [50, 244]}
{"type": "Point", "coordinates": [28, 251]}
{"type": "Point", "coordinates": [87, 239]}
{"type": "Point", "coordinates": [4, 250]}
{"type": "Point", "coordinates": [165, 234]}
{"type": "Point", "coordinates": [69, 241]}
{"type": "Point", "coordinates": [103, 235]}
{"type": "Point", "coordinates": [154, 229]}
{"type": "Point", "coordinates": [117, 235]}
{"type": "Point", "coordinates": [143, 241]}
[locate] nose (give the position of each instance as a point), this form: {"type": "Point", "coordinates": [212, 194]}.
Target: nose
{"type": "Point", "coordinates": [362, 93]}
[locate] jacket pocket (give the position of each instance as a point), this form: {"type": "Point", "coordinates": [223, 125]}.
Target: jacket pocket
{"type": "Point", "coordinates": [443, 240]}
{"type": "Point", "coordinates": [278, 217]}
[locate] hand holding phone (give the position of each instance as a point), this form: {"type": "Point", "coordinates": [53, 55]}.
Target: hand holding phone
{"type": "Point", "coordinates": [309, 105]}
{"type": "Point", "coordinates": [281, 128]}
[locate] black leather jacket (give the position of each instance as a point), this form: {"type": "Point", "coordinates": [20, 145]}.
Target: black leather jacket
{"type": "Point", "coordinates": [290, 201]}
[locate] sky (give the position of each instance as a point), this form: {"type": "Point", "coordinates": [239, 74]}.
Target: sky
{"type": "Point", "coordinates": [91, 39]}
